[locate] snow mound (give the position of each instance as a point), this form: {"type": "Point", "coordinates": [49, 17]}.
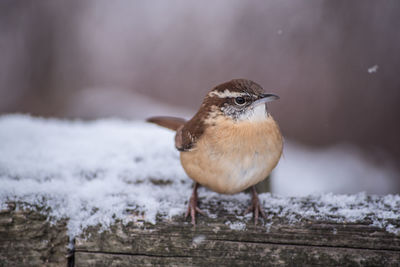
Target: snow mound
{"type": "Point", "coordinates": [91, 172]}
{"type": "Point", "coordinates": [99, 171]}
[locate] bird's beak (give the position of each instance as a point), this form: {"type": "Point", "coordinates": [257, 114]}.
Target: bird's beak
{"type": "Point", "coordinates": [265, 98]}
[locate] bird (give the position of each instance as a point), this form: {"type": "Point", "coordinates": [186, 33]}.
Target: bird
{"type": "Point", "coordinates": [230, 144]}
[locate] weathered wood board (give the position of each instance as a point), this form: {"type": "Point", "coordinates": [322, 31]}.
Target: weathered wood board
{"type": "Point", "coordinates": [28, 239]}
{"type": "Point", "coordinates": [175, 244]}
{"type": "Point", "coordinates": [212, 242]}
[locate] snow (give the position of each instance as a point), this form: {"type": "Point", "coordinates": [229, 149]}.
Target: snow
{"type": "Point", "coordinates": [381, 211]}
{"type": "Point", "coordinates": [373, 69]}
{"type": "Point", "coordinates": [236, 225]}
{"type": "Point", "coordinates": [95, 172]}
{"type": "Point", "coordinates": [197, 240]}
{"type": "Point", "coordinates": [90, 171]}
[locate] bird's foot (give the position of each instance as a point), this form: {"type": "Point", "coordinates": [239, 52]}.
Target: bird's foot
{"type": "Point", "coordinates": [255, 206]}
{"type": "Point", "coordinates": [192, 207]}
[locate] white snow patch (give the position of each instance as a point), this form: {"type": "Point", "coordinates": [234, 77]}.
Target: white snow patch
{"type": "Point", "coordinates": [197, 240]}
{"type": "Point", "coordinates": [380, 211]}
{"type": "Point", "coordinates": [91, 172]}
{"type": "Point", "coordinates": [99, 171]}
{"type": "Point", "coordinates": [236, 225]}
{"type": "Point", "coordinates": [373, 69]}
{"type": "Point", "coordinates": [383, 212]}
{"type": "Point", "coordinates": [3, 206]}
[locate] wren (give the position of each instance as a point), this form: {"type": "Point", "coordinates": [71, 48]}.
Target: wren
{"type": "Point", "coordinates": [231, 143]}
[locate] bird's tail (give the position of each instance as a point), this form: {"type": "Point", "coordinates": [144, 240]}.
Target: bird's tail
{"type": "Point", "coordinates": [172, 123]}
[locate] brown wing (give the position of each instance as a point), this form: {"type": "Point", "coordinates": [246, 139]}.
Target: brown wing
{"type": "Point", "coordinates": [179, 143]}
{"type": "Point", "coordinates": [188, 134]}
{"type": "Point", "coordinates": [172, 123]}
{"type": "Point", "coordinates": [183, 139]}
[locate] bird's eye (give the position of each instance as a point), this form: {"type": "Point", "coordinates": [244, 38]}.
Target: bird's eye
{"type": "Point", "coordinates": [240, 100]}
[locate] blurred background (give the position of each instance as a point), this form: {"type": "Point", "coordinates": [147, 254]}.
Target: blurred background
{"type": "Point", "coordinates": [335, 65]}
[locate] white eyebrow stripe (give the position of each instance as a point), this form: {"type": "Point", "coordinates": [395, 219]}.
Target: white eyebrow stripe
{"type": "Point", "coordinates": [226, 93]}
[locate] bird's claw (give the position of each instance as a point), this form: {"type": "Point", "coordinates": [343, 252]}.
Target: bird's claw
{"type": "Point", "coordinates": [255, 207]}
{"type": "Point", "coordinates": [192, 207]}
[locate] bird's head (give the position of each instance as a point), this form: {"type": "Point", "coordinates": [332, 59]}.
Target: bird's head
{"type": "Point", "coordinates": [238, 100]}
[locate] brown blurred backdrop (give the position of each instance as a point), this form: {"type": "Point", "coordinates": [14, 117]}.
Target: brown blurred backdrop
{"type": "Point", "coordinates": [335, 64]}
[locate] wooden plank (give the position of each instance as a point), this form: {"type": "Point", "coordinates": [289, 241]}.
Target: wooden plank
{"type": "Point", "coordinates": [28, 239]}
{"type": "Point", "coordinates": [253, 255]}
{"type": "Point", "coordinates": [213, 242]}
{"type": "Point", "coordinates": [227, 238]}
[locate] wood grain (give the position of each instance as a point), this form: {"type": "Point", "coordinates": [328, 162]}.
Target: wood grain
{"type": "Point", "coordinates": [28, 239]}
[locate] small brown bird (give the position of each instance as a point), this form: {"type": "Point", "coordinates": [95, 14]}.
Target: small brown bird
{"type": "Point", "coordinates": [231, 143]}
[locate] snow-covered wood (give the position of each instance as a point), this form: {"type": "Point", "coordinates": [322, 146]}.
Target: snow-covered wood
{"type": "Point", "coordinates": [117, 187]}
{"type": "Point", "coordinates": [227, 238]}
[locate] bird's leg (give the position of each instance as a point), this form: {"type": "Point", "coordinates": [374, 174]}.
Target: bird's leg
{"type": "Point", "coordinates": [192, 207]}
{"type": "Point", "coordinates": [255, 206]}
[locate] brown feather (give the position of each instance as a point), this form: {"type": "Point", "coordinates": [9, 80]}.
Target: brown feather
{"type": "Point", "coordinates": [172, 123]}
